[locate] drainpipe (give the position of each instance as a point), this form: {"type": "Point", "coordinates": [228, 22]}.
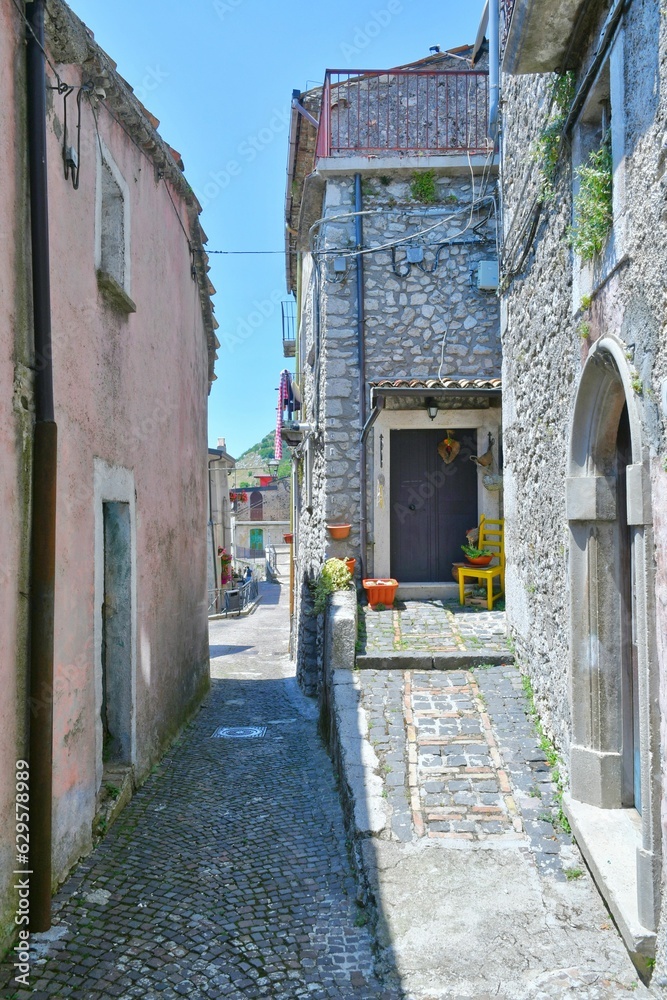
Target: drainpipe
{"type": "Point", "coordinates": [43, 515]}
{"type": "Point", "coordinates": [494, 68]}
{"type": "Point", "coordinates": [211, 526]}
{"type": "Point", "coordinates": [361, 348]}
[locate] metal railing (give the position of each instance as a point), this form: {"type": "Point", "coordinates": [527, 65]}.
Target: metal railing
{"type": "Point", "coordinates": [403, 111]}
{"type": "Point", "coordinates": [272, 558]}
{"type": "Point", "coordinates": [230, 602]}
{"type": "Point", "coordinates": [288, 310]}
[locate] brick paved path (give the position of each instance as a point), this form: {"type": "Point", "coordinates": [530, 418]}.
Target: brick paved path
{"type": "Point", "coordinates": [433, 627]}
{"type": "Point", "coordinates": [464, 762]}
{"type": "Point", "coordinates": [227, 875]}
{"type": "Point", "coordinates": [472, 823]}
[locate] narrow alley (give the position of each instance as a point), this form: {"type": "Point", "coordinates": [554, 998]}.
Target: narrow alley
{"type": "Point", "coordinates": [227, 875]}
{"type": "Point", "coordinates": [230, 874]}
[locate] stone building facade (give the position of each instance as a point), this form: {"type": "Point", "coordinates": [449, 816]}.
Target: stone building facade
{"type": "Point", "coordinates": [131, 352]}
{"type": "Point", "coordinates": [585, 427]}
{"type": "Point", "coordinates": [391, 257]}
{"type": "Point", "coordinates": [261, 521]}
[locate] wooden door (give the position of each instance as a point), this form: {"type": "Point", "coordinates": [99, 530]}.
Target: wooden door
{"type": "Point", "coordinates": [432, 504]}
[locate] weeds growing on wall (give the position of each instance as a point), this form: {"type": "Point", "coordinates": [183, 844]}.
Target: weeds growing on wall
{"type": "Point", "coordinates": [593, 212]}
{"type": "Point", "coordinates": [545, 149]}
{"type": "Point", "coordinates": [423, 187]}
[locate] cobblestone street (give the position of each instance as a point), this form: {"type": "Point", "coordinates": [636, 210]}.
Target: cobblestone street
{"type": "Point", "coordinates": [227, 875]}
{"type": "Point", "coordinates": [432, 627]}
{"type": "Point", "coordinates": [230, 875]}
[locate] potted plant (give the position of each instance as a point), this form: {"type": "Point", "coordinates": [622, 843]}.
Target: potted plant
{"type": "Point", "coordinates": [477, 557]}
{"type": "Point", "coordinates": [288, 537]}
{"type": "Point", "coordinates": [338, 531]}
{"type": "Point", "coordinates": [380, 592]}
{"type": "Point", "coordinates": [350, 563]}
{"type": "Point", "coordinates": [334, 575]}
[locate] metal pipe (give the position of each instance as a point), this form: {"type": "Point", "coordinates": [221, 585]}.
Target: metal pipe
{"type": "Point", "coordinates": [211, 524]}
{"type": "Point", "coordinates": [44, 471]}
{"type": "Point", "coordinates": [302, 111]}
{"type": "Point", "coordinates": [377, 404]}
{"type": "Point", "coordinates": [494, 68]}
{"type": "Point", "coordinates": [359, 240]}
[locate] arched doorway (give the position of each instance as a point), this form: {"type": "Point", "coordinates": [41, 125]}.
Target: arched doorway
{"type": "Point", "coordinates": [614, 753]}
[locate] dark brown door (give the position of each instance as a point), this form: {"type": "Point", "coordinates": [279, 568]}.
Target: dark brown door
{"type": "Point", "coordinates": [631, 792]}
{"type": "Point", "coordinates": [432, 504]}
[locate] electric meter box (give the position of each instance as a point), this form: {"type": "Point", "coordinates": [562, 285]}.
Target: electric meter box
{"type": "Point", "coordinates": [487, 275]}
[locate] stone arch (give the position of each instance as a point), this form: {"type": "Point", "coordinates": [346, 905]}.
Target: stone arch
{"type": "Point", "coordinates": [613, 678]}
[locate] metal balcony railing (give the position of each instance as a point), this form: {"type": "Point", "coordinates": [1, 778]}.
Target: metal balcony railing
{"type": "Point", "coordinates": [288, 309]}
{"type": "Point", "coordinates": [399, 112]}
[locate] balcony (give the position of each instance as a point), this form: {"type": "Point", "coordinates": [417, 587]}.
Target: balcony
{"type": "Point", "coordinates": [289, 328]}
{"type": "Point", "coordinates": [537, 34]}
{"type": "Point", "coordinates": [403, 113]}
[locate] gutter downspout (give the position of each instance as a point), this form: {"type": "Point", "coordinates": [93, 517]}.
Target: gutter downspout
{"type": "Point", "coordinates": [494, 69]}
{"type": "Point", "coordinates": [211, 526]}
{"type": "Point", "coordinates": [44, 473]}
{"type": "Point", "coordinates": [377, 405]}
{"type": "Point", "coordinates": [361, 348]}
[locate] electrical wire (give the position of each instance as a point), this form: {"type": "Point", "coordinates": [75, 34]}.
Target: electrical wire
{"type": "Point", "coordinates": [62, 87]}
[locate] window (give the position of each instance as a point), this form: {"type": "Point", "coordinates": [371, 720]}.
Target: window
{"type": "Point", "coordinates": [256, 506]}
{"type": "Point", "coordinates": [112, 250]}
{"type": "Point", "coordinates": [599, 142]}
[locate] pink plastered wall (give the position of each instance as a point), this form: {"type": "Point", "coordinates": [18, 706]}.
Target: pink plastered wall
{"type": "Point", "coordinates": [130, 393]}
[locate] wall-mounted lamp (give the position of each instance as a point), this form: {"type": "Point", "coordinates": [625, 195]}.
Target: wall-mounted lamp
{"type": "Point", "coordinates": [432, 408]}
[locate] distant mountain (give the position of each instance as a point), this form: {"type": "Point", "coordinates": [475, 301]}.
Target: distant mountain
{"type": "Point", "coordinates": [257, 456]}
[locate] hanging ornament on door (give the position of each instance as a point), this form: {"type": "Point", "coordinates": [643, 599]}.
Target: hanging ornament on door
{"type": "Point", "coordinates": [449, 448]}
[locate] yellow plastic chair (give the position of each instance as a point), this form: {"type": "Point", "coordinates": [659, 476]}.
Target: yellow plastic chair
{"type": "Point", "coordinates": [491, 537]}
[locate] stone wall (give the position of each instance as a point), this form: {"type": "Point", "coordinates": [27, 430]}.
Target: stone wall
{"type": "Point", "coordinates": [550, 330]}
{"type": "Point", "coordinates": [412, 316]}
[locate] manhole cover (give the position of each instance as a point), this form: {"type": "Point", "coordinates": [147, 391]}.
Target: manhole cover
{"type": "Point", "coordinates": [239, 732]}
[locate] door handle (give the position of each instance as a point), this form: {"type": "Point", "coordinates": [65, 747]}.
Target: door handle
{"type": "Point", "coordinates": [412, 507]}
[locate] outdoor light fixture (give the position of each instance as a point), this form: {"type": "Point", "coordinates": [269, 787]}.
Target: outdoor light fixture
{"type": "Point", "coordinates": [273, 464]}
{"type": "Point", "coordinates": [432, 408]}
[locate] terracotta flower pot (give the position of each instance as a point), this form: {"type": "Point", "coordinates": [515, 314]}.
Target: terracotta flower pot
{"type": "Point", "coordinates": [339, 531]}
{"type": "Point", "coordinates": [380, 591]}
{"type": "Point", "coordinates": [351, 563]}
{"type": "Point", "coordinates": [479, 560]}
{"type": "Point", "coordinates": [455, 570]}
{"type": "Point", "coordinates": [288, 537]}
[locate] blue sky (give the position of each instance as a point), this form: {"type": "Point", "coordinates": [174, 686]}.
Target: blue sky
{"type": "Point", "coordinates": [219, 75]}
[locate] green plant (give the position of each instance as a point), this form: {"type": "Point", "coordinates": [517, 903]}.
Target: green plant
{"type": "Point", "coordinates": [112, 790]}
{"type": "Point", "coordinates": [535, 793]}
{"type": "Point", "coordinates": [545, 150]}
{"type": "Point", "coordinates": [334, 575]}
{"type": "Point", "coordinates": [637, 384]}
{"type": "Point", "coordinates": [385, 180]}
{"type": "Point", "coordinates": [585, 302]}
{"type": "Point", "coordinates": [584, 330]}
{"type": "Point", "coordinates": [573, 873]}
{"type": "Point", "coordinates": [361, 918]}
{"type": "Point", "coordinates": [593, 203]}
{"type": "Point", "coordinates": [380, 607]}
{"type": "Point", "coordinates": [553, 760]}
{"type": "Point", "coordinates": [474, 553]}
{"type": "Point", "coordinates": [423, 187]}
